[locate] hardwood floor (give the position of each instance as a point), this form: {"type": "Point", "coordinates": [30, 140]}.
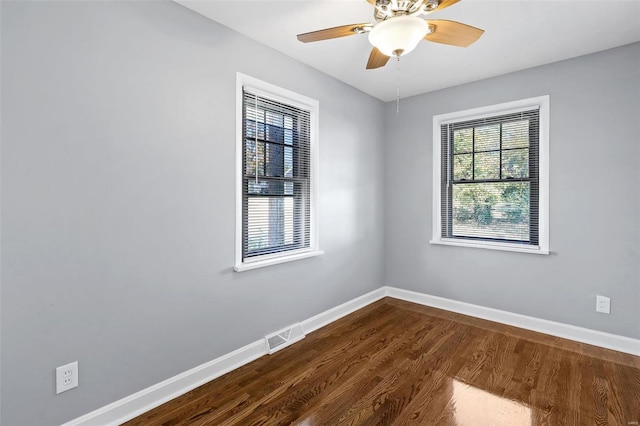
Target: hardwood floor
{"type": "Point", "coordinates": [398, 363]}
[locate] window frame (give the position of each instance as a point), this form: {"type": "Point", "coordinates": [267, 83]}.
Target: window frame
{"type": "Point", "coordinates": [288, 97]}
{"type": "Point", "coordinates": [540, 102]}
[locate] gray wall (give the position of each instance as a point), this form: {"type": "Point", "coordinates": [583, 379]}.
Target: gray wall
{"type": "Point", "coordinates": [594, 198]}
{"type": "Point", "coordinates": [118, 167]}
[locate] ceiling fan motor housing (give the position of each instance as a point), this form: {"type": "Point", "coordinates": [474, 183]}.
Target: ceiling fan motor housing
{"type": "Point", "coordinates": [385, 9]}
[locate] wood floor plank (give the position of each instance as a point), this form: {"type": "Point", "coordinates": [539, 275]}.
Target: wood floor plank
{"type": "Point", "coordinates": [398, 363]}
{"type": "Point", "coordinates": [326, 376]}
{"type": "Point", "coordinates": [368, 376]}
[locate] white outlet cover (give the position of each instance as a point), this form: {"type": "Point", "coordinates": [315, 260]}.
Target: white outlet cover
{"type": "Point", "coordinates": [67, 377]}
{"type": "Point", "coordinates": [603, 304]}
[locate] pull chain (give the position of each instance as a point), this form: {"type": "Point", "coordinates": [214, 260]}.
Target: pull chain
{"type": "Point", "coordinates": [398, 86]}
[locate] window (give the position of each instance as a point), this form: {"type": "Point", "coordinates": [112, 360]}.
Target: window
{"type": "Point", "coordinates": [276, 175]}
{"type": "Point", "coordinates": [491, 177]}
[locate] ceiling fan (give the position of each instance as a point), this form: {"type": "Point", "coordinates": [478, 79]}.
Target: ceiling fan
{"type": "Point", "coordinates": [398, 29]}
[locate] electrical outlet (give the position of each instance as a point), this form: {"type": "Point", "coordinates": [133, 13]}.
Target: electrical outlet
{"type": "Point", "coordinates": [66, 377]}
{"type": "Point", "coordinates": [603, 304]}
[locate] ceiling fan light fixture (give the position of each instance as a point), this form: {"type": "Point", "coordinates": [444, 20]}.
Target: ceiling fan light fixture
{"type": "Point", "coordinates": [399, 35]}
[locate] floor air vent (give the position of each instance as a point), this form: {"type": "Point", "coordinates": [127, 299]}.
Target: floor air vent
{"type": "Point", "coordinates": [285, 337]}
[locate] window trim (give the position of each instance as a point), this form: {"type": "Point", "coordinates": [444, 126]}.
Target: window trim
{"type": "Point", "coordinates": [541, 102]}
{"type": "Point", "coordinates": [278, 94]}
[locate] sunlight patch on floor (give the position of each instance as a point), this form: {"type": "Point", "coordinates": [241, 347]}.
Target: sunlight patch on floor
{"type": "Point", "coordinates": [476, 407]}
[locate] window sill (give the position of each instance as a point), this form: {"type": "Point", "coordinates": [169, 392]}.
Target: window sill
{"type": "Point", "coordinates": [261, 263]}
{"type": "Point", "coordinates": [492, 246]}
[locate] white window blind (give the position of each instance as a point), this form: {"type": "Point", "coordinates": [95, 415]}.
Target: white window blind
{"type": "Point", "coordinates": [276, 183]}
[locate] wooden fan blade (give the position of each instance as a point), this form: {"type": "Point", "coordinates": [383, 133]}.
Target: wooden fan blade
{"type": "Point", "coordinates": [452, 32]}
{"type": "Point", "coordinates": [377, 59]}
{"type": "Point", "coordinates": [328, 33]}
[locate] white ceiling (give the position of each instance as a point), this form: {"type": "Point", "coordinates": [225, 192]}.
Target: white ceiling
{"type": "Point", "coordinates": [518, 34]}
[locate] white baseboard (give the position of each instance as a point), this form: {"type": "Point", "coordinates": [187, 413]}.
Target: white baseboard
{"type": "Point", "coordinates": [329, 316]}
{"type": "Point", "coordinates": [140, 402]}
{"type": "Point", "coordinates": [147, 399]}
{"type": "Point", "coordinates": [566, 331]}
{"type": "Point", "coordinates": [156, 395]}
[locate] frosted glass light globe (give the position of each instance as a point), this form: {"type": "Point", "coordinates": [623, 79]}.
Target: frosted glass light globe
{"type": "Point", "coordinates": [399, 35]}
